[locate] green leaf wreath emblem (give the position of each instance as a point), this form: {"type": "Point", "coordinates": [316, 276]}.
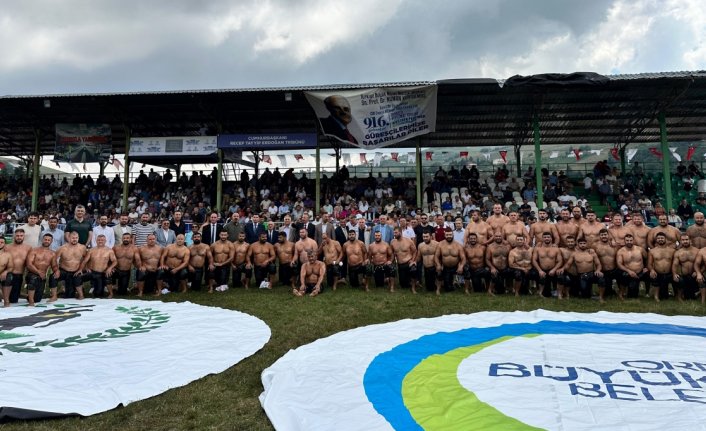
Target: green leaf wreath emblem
{"type": "Point", "coordinates": [142, 320]}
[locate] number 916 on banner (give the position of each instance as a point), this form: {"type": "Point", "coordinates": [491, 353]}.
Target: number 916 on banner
{"type": "Point", "coordinates": [375, 122]}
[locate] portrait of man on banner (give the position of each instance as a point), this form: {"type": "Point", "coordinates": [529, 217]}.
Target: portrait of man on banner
{"type": "Point", "coordinates": [336, 124]}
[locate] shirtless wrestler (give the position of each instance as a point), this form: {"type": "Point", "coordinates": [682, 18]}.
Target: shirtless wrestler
{"type": "Point", "coordinates": [148, 277]}
{"type": "Point", "coordinates": [697, 231]}
{"type": "Point", "coordinates": [496, 257]}
{"type": "Point", "coordinates": [519, 260]}
{"type": "Point", "coordinates": [311, 276]}
{"type": "Point", "coordinates": [659, 262]}
{"type": "Point", "coordinates": [588, 267]}
{"type": "Point", "coordinates": [497, 219]}
{"type": "Point", "coordinates": [242, 273]}
{"type": "Point", "coordinates": [127, 256]}
{"type": "Point", "coordinates": [566, 227]}
{"type": "Point", "coordinates": [38, 261]}
{"type": "Point", "coordinates": [405, 251]}
{"type": "Point", "coordinates": [5, 272]}
{"type": "Point", "coordinates": [68, 259]}
{"type": "Point", "coordinates": [547, 260]}
{"type": "Point", "coordinates": [631, 261]}
{"type": "Point", "coordinates": [174, 263]}
{"type": "Point", "coordinates": [380, 256]}
{"type": "Point", "coordinates": [671, 234]}
{"type": "Point", "coordinates": [683, 272]}
{"type": "Point", "coordinates": [607, 256]}
{"type": "Point", "coordinates": [223, 252]}
{"type": "Point", "coordinates": [425, 256]}
{"type": "Point", "coordinates": [261, 256]}
{"type": "Point", "coordinates": [200, 262]}
{"type": "Point", "coordinates": [617, 231]}
{"type": "Point", "coordinates": [333, 257]}
{"type": "Point", "coordinates": [356, 258]}
{"type": "Point", "coordinates": [99, 263]}
{"type": "Point", "coordinates": [450, 259]}
{"type": "Point", "coordinates": [476, 273]}
{"type": "Point", "coordinates": [639, 230]}
{"type": "Point", "coordinates": [514, 228]}
{"type": "Point", "coordinates": [285, 257]}
{"type": "Point", "coordinates": [568, 282]}
{"type": "Point", "coordinates": [19, 251]}
{"type": "Point", "coordinates": [484, 232]}
{"type": "Point", "coordinates": [590, 229]}
{"type": "Point", "coordinates": [542, 225]}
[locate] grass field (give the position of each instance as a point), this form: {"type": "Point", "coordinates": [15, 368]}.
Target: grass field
{"type": "Point", "coordinates": [228, 401]}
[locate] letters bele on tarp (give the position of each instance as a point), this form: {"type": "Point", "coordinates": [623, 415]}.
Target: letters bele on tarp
{"type": "Point", "coordinates": [83, 143]}
{"type": "Point", "coordinates": [375, 117]}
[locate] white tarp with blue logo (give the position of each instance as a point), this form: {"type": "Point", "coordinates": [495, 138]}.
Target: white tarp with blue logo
{"type": "Point", "coordinates": [86, 357]}
{"type": "Point", "coordinates": [497, 371]}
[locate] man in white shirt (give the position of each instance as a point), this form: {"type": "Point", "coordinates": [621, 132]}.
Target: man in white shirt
{"type": "Point", "coordinates": [32, 230]}
{"type": "Point", "coordinates": [103, 229]}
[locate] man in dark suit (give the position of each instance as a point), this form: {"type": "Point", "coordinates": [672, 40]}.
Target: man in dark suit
{"type": "Point", "coordinates": [210, 230]}
{"type": "Point", "coordinates": [340, 233]}
{"type": "Point", "coordinates": [272, 233]}
{"type": "Point", "coordinates": [324, 227]}
{"type": "Point", "coordinates": [336, 124]}
{"type": "Point", "coordinates": [253, 229]}
{"type": "Point", "coordinates": [305, 224]}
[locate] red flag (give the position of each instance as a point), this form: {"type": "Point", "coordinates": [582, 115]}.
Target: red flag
{"type": "Point", "coordinates": [656, 152]}
{"type": "Point", "coordinates": [2, 165]}
{"type": "Point", "coordinates": [577, 153]}
{"type": "Point", "coordinates": [615, 153]}
{"type": "Point", "coordinates": [394, 156]}
{"type": "Point", "coordinates": [428, 155]}
{"type": "Point", "coordinates": [503, 154]}
{"type": "Point", "coordinates": [690, 153]}
{"type": "Point", "coordinates": [464, 154]}
{"type": "Point", "coordinates": [267, 159]}
{"type": "Point", "coordinates": [298, 157]}
{"type": "Point", "coordinates": [363, 159]}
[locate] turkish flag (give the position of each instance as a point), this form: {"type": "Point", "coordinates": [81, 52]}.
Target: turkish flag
{"type": "Point", "coordinates": [267, 159]}
{"type": "Point", "coordinates": [503, 154]}
{"type": "Point", "coordinates": [690, 153]}
{"type": "Point", "coordinates": [656, 152]}
{"type": "Point", "coordinates": [577, 153]}
{"type": "Point", "coordinates": [362, 158]}
{"type": "Point", "coordinates": [615, 153]}
{"type": "Point", "coordinates": [394, 156]}
{"type": "Point", "coordinates": [464, 154]}
{"type": "Point", "coordinates": [298, 157]}
{"type": "Point", "coordinates": [428, 155]}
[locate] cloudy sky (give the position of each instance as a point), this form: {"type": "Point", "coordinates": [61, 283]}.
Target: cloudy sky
{"type": "Point", "coordinates": [82, 46]}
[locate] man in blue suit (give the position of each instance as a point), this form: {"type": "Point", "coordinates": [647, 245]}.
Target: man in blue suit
{"type": "Point", "coordinates": [271, 233]}
{"type": "Point", "coordinates": [253, 229]}
{"type": "Point", "coordinates": [165, 236]}
{"type": "Point", "coordinates": [384, 229]}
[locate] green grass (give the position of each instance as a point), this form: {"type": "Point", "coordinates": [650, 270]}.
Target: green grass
{"type": "Point", "coordinates": [228, 401]}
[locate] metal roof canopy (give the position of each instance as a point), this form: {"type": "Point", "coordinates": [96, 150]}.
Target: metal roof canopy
{"type": "Point", "coordinates": [615, 109]}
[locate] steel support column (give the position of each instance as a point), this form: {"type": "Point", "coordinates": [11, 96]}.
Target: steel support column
{"type": "Point", "coordinates": [317, 176]}
{"type": "Point", "coordinates": [538, 164]}
{"type": "Point", "coordinates": [666, 173]}
{"type": "Point", "coordinates": [35, 168]}
{"type": "Point", "coordinates": [126, 169]}
{"type": "Point", "coordinates": [418, 158]}
{"type": "Point", "coordinates": [219, 181]}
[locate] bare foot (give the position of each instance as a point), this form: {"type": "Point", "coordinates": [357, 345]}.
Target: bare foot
{"type": "Point", "coordinates": [53, 299]}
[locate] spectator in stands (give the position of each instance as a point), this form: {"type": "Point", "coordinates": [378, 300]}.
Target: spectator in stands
{"type": "Point", "coordinates": [674, 220]}
{"type": "Point", "coordinates": [681, 170]}
{"type": "Point", "coordinates": [685, 211]}
{"type": "Point", "coordinates": [530, 192]}
{"type": "Point", "coordinates": [688, 182]}
{"type": "Point", "coordinates": [695, 171]}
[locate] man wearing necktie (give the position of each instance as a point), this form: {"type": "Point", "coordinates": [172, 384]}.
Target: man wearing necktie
{"type": "Point", "coordinates": [210, 231]}
{"type": "Point", "coordinates": [253, 229]}
{"type": "Point", "coordinates": [310, 229]}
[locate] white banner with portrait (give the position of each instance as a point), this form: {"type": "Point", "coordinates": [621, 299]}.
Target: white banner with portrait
{"type": "Point", "coordinates": [375, 117]}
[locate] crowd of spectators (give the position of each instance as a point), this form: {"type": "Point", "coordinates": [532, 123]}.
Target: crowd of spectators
{"type": "Point", "coordinates": [274, 195]}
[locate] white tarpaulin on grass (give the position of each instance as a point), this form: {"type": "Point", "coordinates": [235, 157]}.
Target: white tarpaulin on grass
{"type": "Point", "coordinates": [86, 357]}
{"type": "Point", "coordinates": [497, 371]}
